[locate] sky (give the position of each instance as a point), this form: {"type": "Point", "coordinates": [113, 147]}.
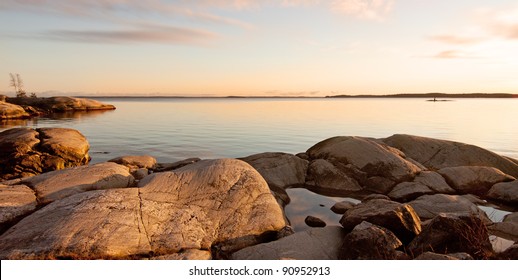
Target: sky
{"type": "Point", "coordinates": [259, 48]}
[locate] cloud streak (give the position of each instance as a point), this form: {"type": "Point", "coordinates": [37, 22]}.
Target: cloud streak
{"type": "Point", "coordinates": [140, 34]}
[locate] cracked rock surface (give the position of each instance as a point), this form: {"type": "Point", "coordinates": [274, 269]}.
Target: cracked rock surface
{"type": "Point", "coordinates": [168, 213]}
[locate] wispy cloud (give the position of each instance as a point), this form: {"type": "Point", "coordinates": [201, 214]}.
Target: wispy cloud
{"type": "Point", "coordinates": [456, 40]}
{"type": "Point", "coordinates": [137, 34]}
{"type": "Point", "coordinates": [365, 9]}
{"type": "Point", "coordinates": [453, 54]}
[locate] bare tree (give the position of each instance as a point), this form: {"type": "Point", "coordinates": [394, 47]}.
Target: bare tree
{"type": "Point", "coordinates": [17, 84]}
{"type": "Point", "coordinates": [13, 82]}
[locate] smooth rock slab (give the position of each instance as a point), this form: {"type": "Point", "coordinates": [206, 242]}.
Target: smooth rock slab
{"type": "Point", "coordinates": [103, 224]}
{"type": "Point", "coordinates": [219, 201]}
{"type": "Point", "coordinates": [313, 244]}
{"type": "Point", "coordinates": [59, 184]}
{"type": "Point", "coordinates": [426, 182]}
{"type": "Point", "coordinates": [505, 192]}
{"type": "Point", "coordinates": [68, 144]}
{"type": "Point", "coordinates": [430, 206]}
{"type": "Point", "coordinates": [437, 154]}
{"type": "Point", "coordinates": [280, 170]}
{"type": "Point", "coordinates": [366, 155]}
{"type": "Point", "coordinates": [15, 202]}
{"type": "Point", "coordinates": [473, 179]}
{"type": "Point", "coordinates": [398, 218]}
{"type": "Point", "coordinates": [207, 202]}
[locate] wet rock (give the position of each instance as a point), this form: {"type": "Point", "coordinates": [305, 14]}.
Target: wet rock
{"type": "Point", "coordinates": [473, 179]}
{"type": "Point", "coordinates": [219, 201]}
{"type": "Point", "coordinates": [369, 242]}
{"type": "Point", "coordinates": [323, 176]}
{"type": "Point", "coordinates": [27, 152]}
{"type": "Point", "coordinates": [377, 161]}
{"type": "Point", "coordinates": [313, 244]}
{"type": "Point", "coordinates": [12, 111]}
{"type": "Point", "coordinates": [437, 154]}
{"type": "Point", "coordinates": [314, 221]}
{"type": "Point", "coordinates": [342, 206]}
{"type": "Point", "coordinates": [59, 184]}
{"type": "Point", "coordinates": [144, 161]}
{"type": "Point", "coordinates": [453, 234]}
{"type": "Point", "coordinates": [279, 169]}
{"type": "Point", "coordinates": [505, 192]}
{"type": "Point", "coordinates": [396, 217]}
{"type": "Point", "coordinates": [430, 206]}
{"type": "Point", "coordinates": [16, 202]}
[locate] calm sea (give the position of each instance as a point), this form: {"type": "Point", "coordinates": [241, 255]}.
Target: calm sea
{"type": "Point", "coordinates": [172, 129]}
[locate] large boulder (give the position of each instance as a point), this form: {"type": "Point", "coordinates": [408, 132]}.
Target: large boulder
{"type": "Point", "coordinates": [381, 165]}
{"type": "Point", "coordinates": [15, 202]}
{"type": "Point", "coordinates": [505, 192]}
{"type": "Point", "coordinates": [437, 154]}
{"type": "Point", "coordinates": [27, 152]}
{"type": "Point", "coordinates": [324, 177]}
{"type": "Point", "coordinates": [59, 184]}
{"type": "Point", "coordinates": [453, 234]}
{"type": "Point", "coordinates": [313, 244]}
{"type": "Point", "coordinates": [12, 111]}
{"type": "Point", "coordinates": [196, 207]}
{"type": "Point", "coordinates": [473, 179]}
{"type": "Point", "coordinates": [430, 206]}
{"type": "Point", "coordinates": [427, 182]}
{"type": "Point", "coordinates": [280, 170]}
{"type": "Point", "coordinates": [398, 218]}
{"type": "Point", "coordinates": [206, 203]}
{"type": "Point", "coordinates": [369, 242]}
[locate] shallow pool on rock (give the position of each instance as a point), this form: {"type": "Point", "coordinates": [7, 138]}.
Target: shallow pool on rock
{"type": "Point", "coordinates": [305, 202]}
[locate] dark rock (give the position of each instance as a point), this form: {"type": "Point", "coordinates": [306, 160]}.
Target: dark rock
{"type": "Point", "coordinates": [314, 222]}
{"type": "Point", "coordinates": [453, 234]}
{"type": "Point", "coordinates": [443, 257]}
{"type": "Point", "coordinates": [375, 196]}
{"type": "Point", "coordinates": [369, 242]}
{"type": "Point", "coordinates": [398, 218]}
{"type": "Point", "coordinates": [505, 192]}
{"type": "Point", "coordinates": [342, 206]}
{"type": "Point", "coordinates": [510, 253]}
{"type": "Point", "coordinates": [426, 182]}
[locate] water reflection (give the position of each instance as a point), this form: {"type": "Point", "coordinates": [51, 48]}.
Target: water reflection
{"type": "Point", "coordinates": [54, 118]}
{"type": "Point", "coordinates": [304, 203]}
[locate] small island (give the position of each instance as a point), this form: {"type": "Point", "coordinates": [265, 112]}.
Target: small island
{"type": "Point", "coordinates": [23, 107]}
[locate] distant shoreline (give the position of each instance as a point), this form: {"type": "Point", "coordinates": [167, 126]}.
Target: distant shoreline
{"type": "Point", "coordinates": [401, 95]}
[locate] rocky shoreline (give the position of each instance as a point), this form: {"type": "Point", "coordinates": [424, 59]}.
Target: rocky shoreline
{"type": "Point", "coordinates": [12, 108]}
{"type": "Point", "coordinates": [419, 200]}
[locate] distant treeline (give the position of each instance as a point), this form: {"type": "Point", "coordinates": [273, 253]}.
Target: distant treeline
{"type": "Point", "coordinates": [432, 95]}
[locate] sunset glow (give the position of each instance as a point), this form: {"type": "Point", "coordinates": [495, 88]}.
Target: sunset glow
{"type": "Point", "coordinates": [266, 48]}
